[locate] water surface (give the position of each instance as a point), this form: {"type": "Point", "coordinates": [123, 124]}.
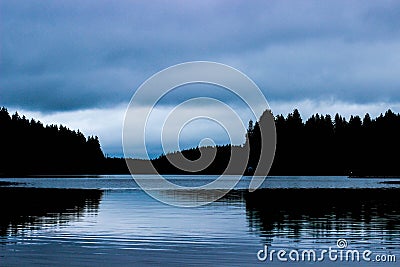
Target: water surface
{"type": "Point", "coordinates": [109, 221]}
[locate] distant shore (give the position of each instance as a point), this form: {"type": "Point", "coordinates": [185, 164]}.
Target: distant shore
{"type": "Point", "coordinates": [320, 145]}
{"type": "Point", "coordinates": [375, 176]}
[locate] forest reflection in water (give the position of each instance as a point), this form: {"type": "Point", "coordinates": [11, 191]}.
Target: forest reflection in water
{"type": "Point", "coordinates": [127, 219]}
{"type": "Point", "coordinates": [268, 211]}
{"type": "Point", "coordinates": [364, 215]}
{"type": "Point", "coordinates": [24, 209]}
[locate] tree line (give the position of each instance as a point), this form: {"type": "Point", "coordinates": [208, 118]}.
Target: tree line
{"type": "Point", "coordinates": [320, 145]}
{"type": "Point", "coordinates": [29, 147]}
{"type": "Point", "coordinates": [323, 145]}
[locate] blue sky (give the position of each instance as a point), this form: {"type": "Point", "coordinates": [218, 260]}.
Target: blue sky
{"type": "Point", "coordinates": [79, 62]}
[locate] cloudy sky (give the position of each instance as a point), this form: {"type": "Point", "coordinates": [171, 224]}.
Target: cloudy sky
{"type": "Point", "coordinates": [79, 62]}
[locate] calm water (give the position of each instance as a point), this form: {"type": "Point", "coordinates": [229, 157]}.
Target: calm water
{"type": "Point", "coordinates": [108, 220]}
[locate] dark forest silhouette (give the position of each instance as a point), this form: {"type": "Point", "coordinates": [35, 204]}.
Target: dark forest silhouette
{"type": "Point", "coordinates": [29, 147]}
{"type": "Point", "coordinates": [326, 146]}
{"type": "Point", "coordinates": [319, 146]}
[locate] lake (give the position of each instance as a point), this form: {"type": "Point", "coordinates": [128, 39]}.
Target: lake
{"type": "Point", "coordinates": [109, 220]}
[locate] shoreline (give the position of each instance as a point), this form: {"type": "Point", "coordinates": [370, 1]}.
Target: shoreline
{"type": "Point", "coordinates": [374, 176]}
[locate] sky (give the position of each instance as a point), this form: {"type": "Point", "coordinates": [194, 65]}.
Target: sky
{"type": "Point", "coordinates": [78, 63]}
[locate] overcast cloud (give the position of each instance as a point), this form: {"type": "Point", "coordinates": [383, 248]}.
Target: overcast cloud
{"type": "Point", "coordinates": [64, 58]}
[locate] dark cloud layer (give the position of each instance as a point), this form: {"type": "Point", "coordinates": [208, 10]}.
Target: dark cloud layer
{"type": "Point", "coordinates": [70, 55]}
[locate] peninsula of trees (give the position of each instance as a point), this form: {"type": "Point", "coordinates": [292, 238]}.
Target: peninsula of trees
{"type": "Point", "coordinates": [29, 147]}
{"type": "Point", "coordinates": [334, 146]}
{"type": "Point", "coordinates": [320, 145]}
